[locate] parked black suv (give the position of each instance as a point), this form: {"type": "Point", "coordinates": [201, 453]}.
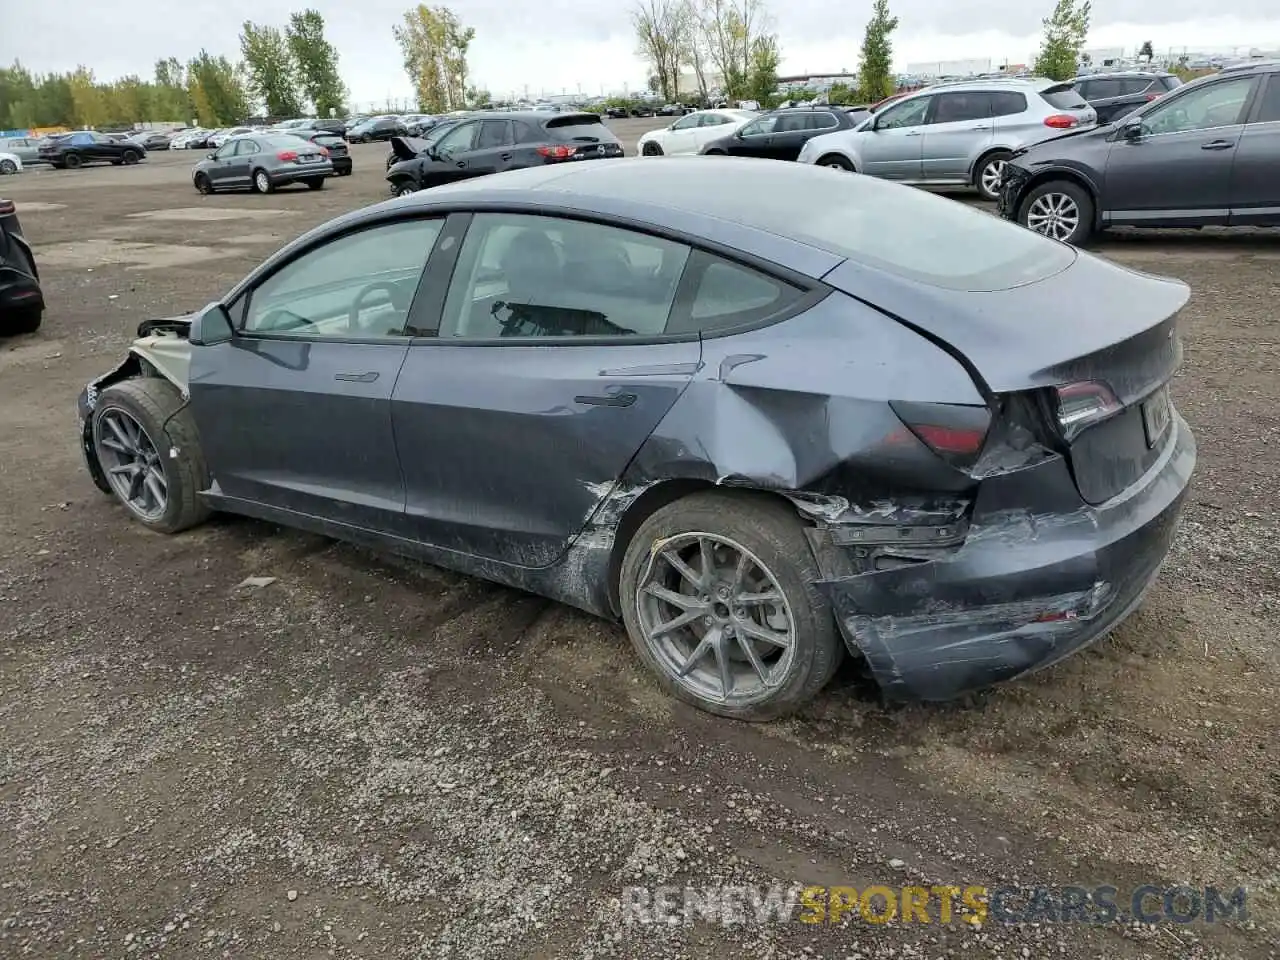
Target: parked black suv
{"type": "Point", "coordinates": [505, 141]}
{"type": "Point", "coordinates": [1205, 154]}
{"type": "Point", "coordinates": [1113, 95]}
{"type": "Point", "coordinates": [73, 150]}
{"type": "Point", "coordinates": [781, 134]}
{"type": "Point", "coordinates": [21, 301]}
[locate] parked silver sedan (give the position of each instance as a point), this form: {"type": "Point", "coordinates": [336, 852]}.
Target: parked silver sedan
{"type": "Point", "coordinates": [955, 134]}
{"type": "Point", "coordinates": [26, 149]}
{"type": "Point", "coordinates": [261, 163]}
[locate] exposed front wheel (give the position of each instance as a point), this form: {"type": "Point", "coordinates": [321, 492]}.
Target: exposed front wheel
{"type": "Point", "coordinates": [718, 597]}
{"type": "Point", "coordinates": [262, 182]}
{"type": "Point", "coordinates": [1060, 210]}
{"type": "Point", "coordinates": [203, 184]}
{"type": "Point", "coordinates": [71, 161]}
{"type": "Point", "coordinates": [7, 167]}
{"type": "Point", "coordinates": [146, 442]}
{"type": "Point", "coordinates": [989, 173]}
{"type": "Point", "coordinates": [130, 156]}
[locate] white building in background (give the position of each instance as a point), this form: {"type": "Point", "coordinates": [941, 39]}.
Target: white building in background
{"type": "Point", "coordinates": [950, 68]}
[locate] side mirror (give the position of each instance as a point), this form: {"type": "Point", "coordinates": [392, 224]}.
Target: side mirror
{"type": "Point", "coordinates": [210, 326]}
{"type": "Point", "coordinates": [1132, 129]}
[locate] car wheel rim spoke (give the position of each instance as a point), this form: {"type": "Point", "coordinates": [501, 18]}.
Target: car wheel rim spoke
{"type": "Point", "coordinates": [992, 175]}
{"type": "Point", "coordinates": [131, 463]}
{"type": "Point", "coordinates": [715, 619]}
{"type": "Point", "coordinates": [1054, 215]}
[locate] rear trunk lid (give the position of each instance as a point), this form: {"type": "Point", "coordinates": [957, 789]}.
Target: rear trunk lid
{"type": "Point", "coordinates": [1090, 322]}
{"type": "Point", "coordinates": [581, 136]}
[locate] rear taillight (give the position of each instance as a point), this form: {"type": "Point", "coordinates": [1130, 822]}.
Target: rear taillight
{"type": "Point", "coordinates": [954, 432]}
{"type": "Point", "coordinates": [6, 208]}
{"type": "Point", "coordinates": [324, 151]}
{"type": "Point", "coordinates": [1153, 96]}
{"type": "Point", "coordinates": [288, 156]}
{"type": "Point", "coordinates": [1081, 405]}
{"type": "Point", "coordinates": [1061, 121]}
{"type": "Point", "coordinates": [558, 152]}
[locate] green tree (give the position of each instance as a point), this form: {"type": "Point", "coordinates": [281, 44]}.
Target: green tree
{"type": "Point", "coordinates": [270, 69]}
{"type": "Point", "coordinates": [89, 106]}
{"type": "Point", "coordinates": [19, 103]}
{"type": "Point", "coordinates": [729, 30]}
{"type": "Point", "coordinates": [875, 72]}
{"type": "Point", "coordinates": [1146, 52]}
{"type": "Point", "coordinates": [1065, 31]}
{"type": "Point", "coordinates": [479, 98]}
{"type": "Point", "coordinates": [841, 92]}
{"type": "Point", "coordinates": [316, 60]}
{"type": "Point", "coordinates": [664, 30]}
{"type": "Point", "coordinates": [762, 81]}
{"type": "Point", "coordinates": [217, 91]}
{"type": "Point", "coordinates": [435, 44]}
{"type": "Point", "coordinates": [129, 100]}
{"type": "Point", "coordinates": [170, 99]}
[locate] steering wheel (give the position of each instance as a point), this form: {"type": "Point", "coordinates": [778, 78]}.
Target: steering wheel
{"type": "Point", "coordinates": [393, 290]}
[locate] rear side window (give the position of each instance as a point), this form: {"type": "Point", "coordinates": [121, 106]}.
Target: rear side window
{"type": "Point", "coordinates": [1006, 104]}
{"type": "Point", "coordinates": [1171, 83]}
{"type": "Point", "coordinates": [1269, 104]}
{"type": "Point", "coordinates": [528, 133]}
{"type": "Point", "coordinates": [587, 127]}
{"type": "Point", "coordinates": [821, 121]}
{"type": "Point", "coordinates": [493, 133]}
{"type": "Point", "coordinates": [1131, 85]}
{"type": "Point", "coordinates": [1064, 97]}
{"type": "Point", "coordinates": [1100, 89]}
{"type": "Point", "coordinates": [955, 107]}
{"type": "Point", "coordinates": [727, 295]}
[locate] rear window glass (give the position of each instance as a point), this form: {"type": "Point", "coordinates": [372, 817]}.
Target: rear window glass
{"type": "Point", "coordinates": [901, 230]}
{"type": "Point", "coordinates": [590, 128]}
{"type": "Point", "coordinates": [1064, 98]}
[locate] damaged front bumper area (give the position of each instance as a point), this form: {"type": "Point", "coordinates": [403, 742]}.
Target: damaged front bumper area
{"type": "Point", "coordinates": [1027, 588]}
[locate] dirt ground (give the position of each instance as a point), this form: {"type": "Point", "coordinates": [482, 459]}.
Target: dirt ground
{"type": "Point", "coordinates": [368, 758]}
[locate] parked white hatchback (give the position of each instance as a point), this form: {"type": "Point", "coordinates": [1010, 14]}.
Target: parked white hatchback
{"type": "Point", "coordinates": [10, 163]}
{"type": "Point", "coordinates": [688, 134]}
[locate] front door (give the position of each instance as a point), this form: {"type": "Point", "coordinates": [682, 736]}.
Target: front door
{"type": "Point", "coordinates": [294, 412]}
{"type": "Point", "coordinates": [1178, 168]}
{"type": "Point", "coordinates": [755, 138]}
{"type": "Point", "coordinates": [220, 170]}
{"type": "Point", "coordinates": [451, 156]}
{"type": "Point", "coordinates": [960, 128]}
{"type": "Point", "coordinates": [893, 146]}
{"type": "Point", "coordinates": [547, 375]}
{"type": "Point", "coordinates": [682, 136]}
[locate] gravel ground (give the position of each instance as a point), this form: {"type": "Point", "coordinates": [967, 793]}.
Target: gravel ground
{"type": "Point", "coordinates": [367, 758]}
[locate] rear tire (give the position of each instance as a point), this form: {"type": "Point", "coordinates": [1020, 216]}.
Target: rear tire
{"type": "Point", "coordinates": [316, 183]}
{"type": "Point", "coordinates": [403, 189]}
{"type": "Point", "coordinates": [24, 321]}
{"type": "Point", "coordinates": [835, 162]}
{"type": "Point", "coordinates": [71, 161]}
{"type": "Point", "coordinates": [770, 536]}
{"type": "Point", "coordinates": [262, 182]}
{"type": "Point", "coordinates": [168, 442]}
{"type": "Point", "coordinates": [1060, 210]}
{"type": "Point", "coordinates": [987, 173]}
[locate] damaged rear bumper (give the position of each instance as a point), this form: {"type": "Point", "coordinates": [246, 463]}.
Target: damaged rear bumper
{"type": "Point", "coordinates": [1027, 589]}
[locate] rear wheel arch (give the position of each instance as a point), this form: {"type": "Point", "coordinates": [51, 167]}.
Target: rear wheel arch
{"type": "Point", "coordinates": [987, 156]}
{"type": "Point", "coordinates": [834, 160]}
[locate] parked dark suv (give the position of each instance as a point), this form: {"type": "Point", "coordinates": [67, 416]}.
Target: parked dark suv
{"type": "Point", "coordinates": [21, 302]}
{"type": "Point", "coordinates": [782, 134]}
{"type": "Point", "coordinates": [1205, 154]}
{"type": "Point", "coordinates": [88, 146]}
{"type": "Point", "coordinates": [506, 141]}
{"type": "Point", "coordinates": [1113, 95]}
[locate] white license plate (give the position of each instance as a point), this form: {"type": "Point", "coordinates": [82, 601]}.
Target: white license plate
{"type": "Point", "coordinates": [1156, 414]}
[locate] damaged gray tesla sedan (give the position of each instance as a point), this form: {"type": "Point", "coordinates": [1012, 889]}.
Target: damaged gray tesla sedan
{"type": "Point", "coordinates": [765, 414]}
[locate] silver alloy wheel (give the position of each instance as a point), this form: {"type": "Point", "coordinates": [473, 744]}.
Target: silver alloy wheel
{"type": "Point", "coordinates": [715, 620]}
{"type": "Point", "coordinates": [262, 181]}
{"type": "Point", "coordinates": [8, 166]}
{"type": "Point", "coordinates": [992, 174]}
{"type": "Point", "coordinates": [405, 190]}
{"type": "Point", "coordinates": [131, 462]}
{"type": "Point", "coordinates": [835, 165]}
{"type": "Point", "coordinates": [1054, 215]}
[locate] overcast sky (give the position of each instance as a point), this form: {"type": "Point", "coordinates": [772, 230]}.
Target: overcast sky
{"type": "Point", "coordinates": [567, 45]}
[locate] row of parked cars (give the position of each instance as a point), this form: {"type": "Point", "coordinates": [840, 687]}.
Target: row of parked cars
{"type": "Point", "coordinates": [1149, 152]}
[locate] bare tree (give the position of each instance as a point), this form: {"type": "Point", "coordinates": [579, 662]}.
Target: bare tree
{"type": "Point", "coordinates": [663, 29]}
{"type": "Point", "coordinates": [729, 30]}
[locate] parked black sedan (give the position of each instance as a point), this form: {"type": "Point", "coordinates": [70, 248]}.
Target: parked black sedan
{"type": "Point", "coordinates": [506, 141]}
{"type": "Point", "coordinates": [1205, 154]}
{"type": "Point", "coordinates": [378, 128]}
{"type": "Point", "coordinates": [21, 300]}
{"type": "Point", "coordinates": [781, 134]}
{"type": "Point", "coordinates": [763, 414]}
{"type": "Point", "coordinates": [71, 150]}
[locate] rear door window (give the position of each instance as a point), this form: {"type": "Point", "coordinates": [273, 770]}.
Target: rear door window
{"type": "Point", "coordinates": [1101, 89]}
{"type": "Point", "coordinates": [1064, 97]}
{"type": "Point", "coordinates": [493, 134]}
{"type": "Point", "coordinates": [1269, 103]}
{"type": "Point", "coordinates": [1134, 85]}
{"type": "Point", "coordinates": [528, 133]}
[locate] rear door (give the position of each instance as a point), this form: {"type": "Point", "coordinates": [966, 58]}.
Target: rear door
{"type": "Point", "coordinates": [550, 370]}
{"type": "Point", "coordinates": [790, 134]}
{"type": "Point", "coordinates": [490, 152]}
{"type": "Point", "coordinates": [240, 166]}
{"type": "Point", "coordinates": [893, 147]}
{"type": "Point", "coordinates": [960, 128]}
{"type": "Point", "coordinates": [318, 345]}
{"type": "Point", "coordinates": [755, 139]}
{"type": "Point", "coordinates": [1255, 174]}
{"type": "Point", "coordinates": [1178, 172]}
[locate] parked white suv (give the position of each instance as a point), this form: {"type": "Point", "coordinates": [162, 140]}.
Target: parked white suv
{"type": "Point", "coordinates": [955, 134]}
